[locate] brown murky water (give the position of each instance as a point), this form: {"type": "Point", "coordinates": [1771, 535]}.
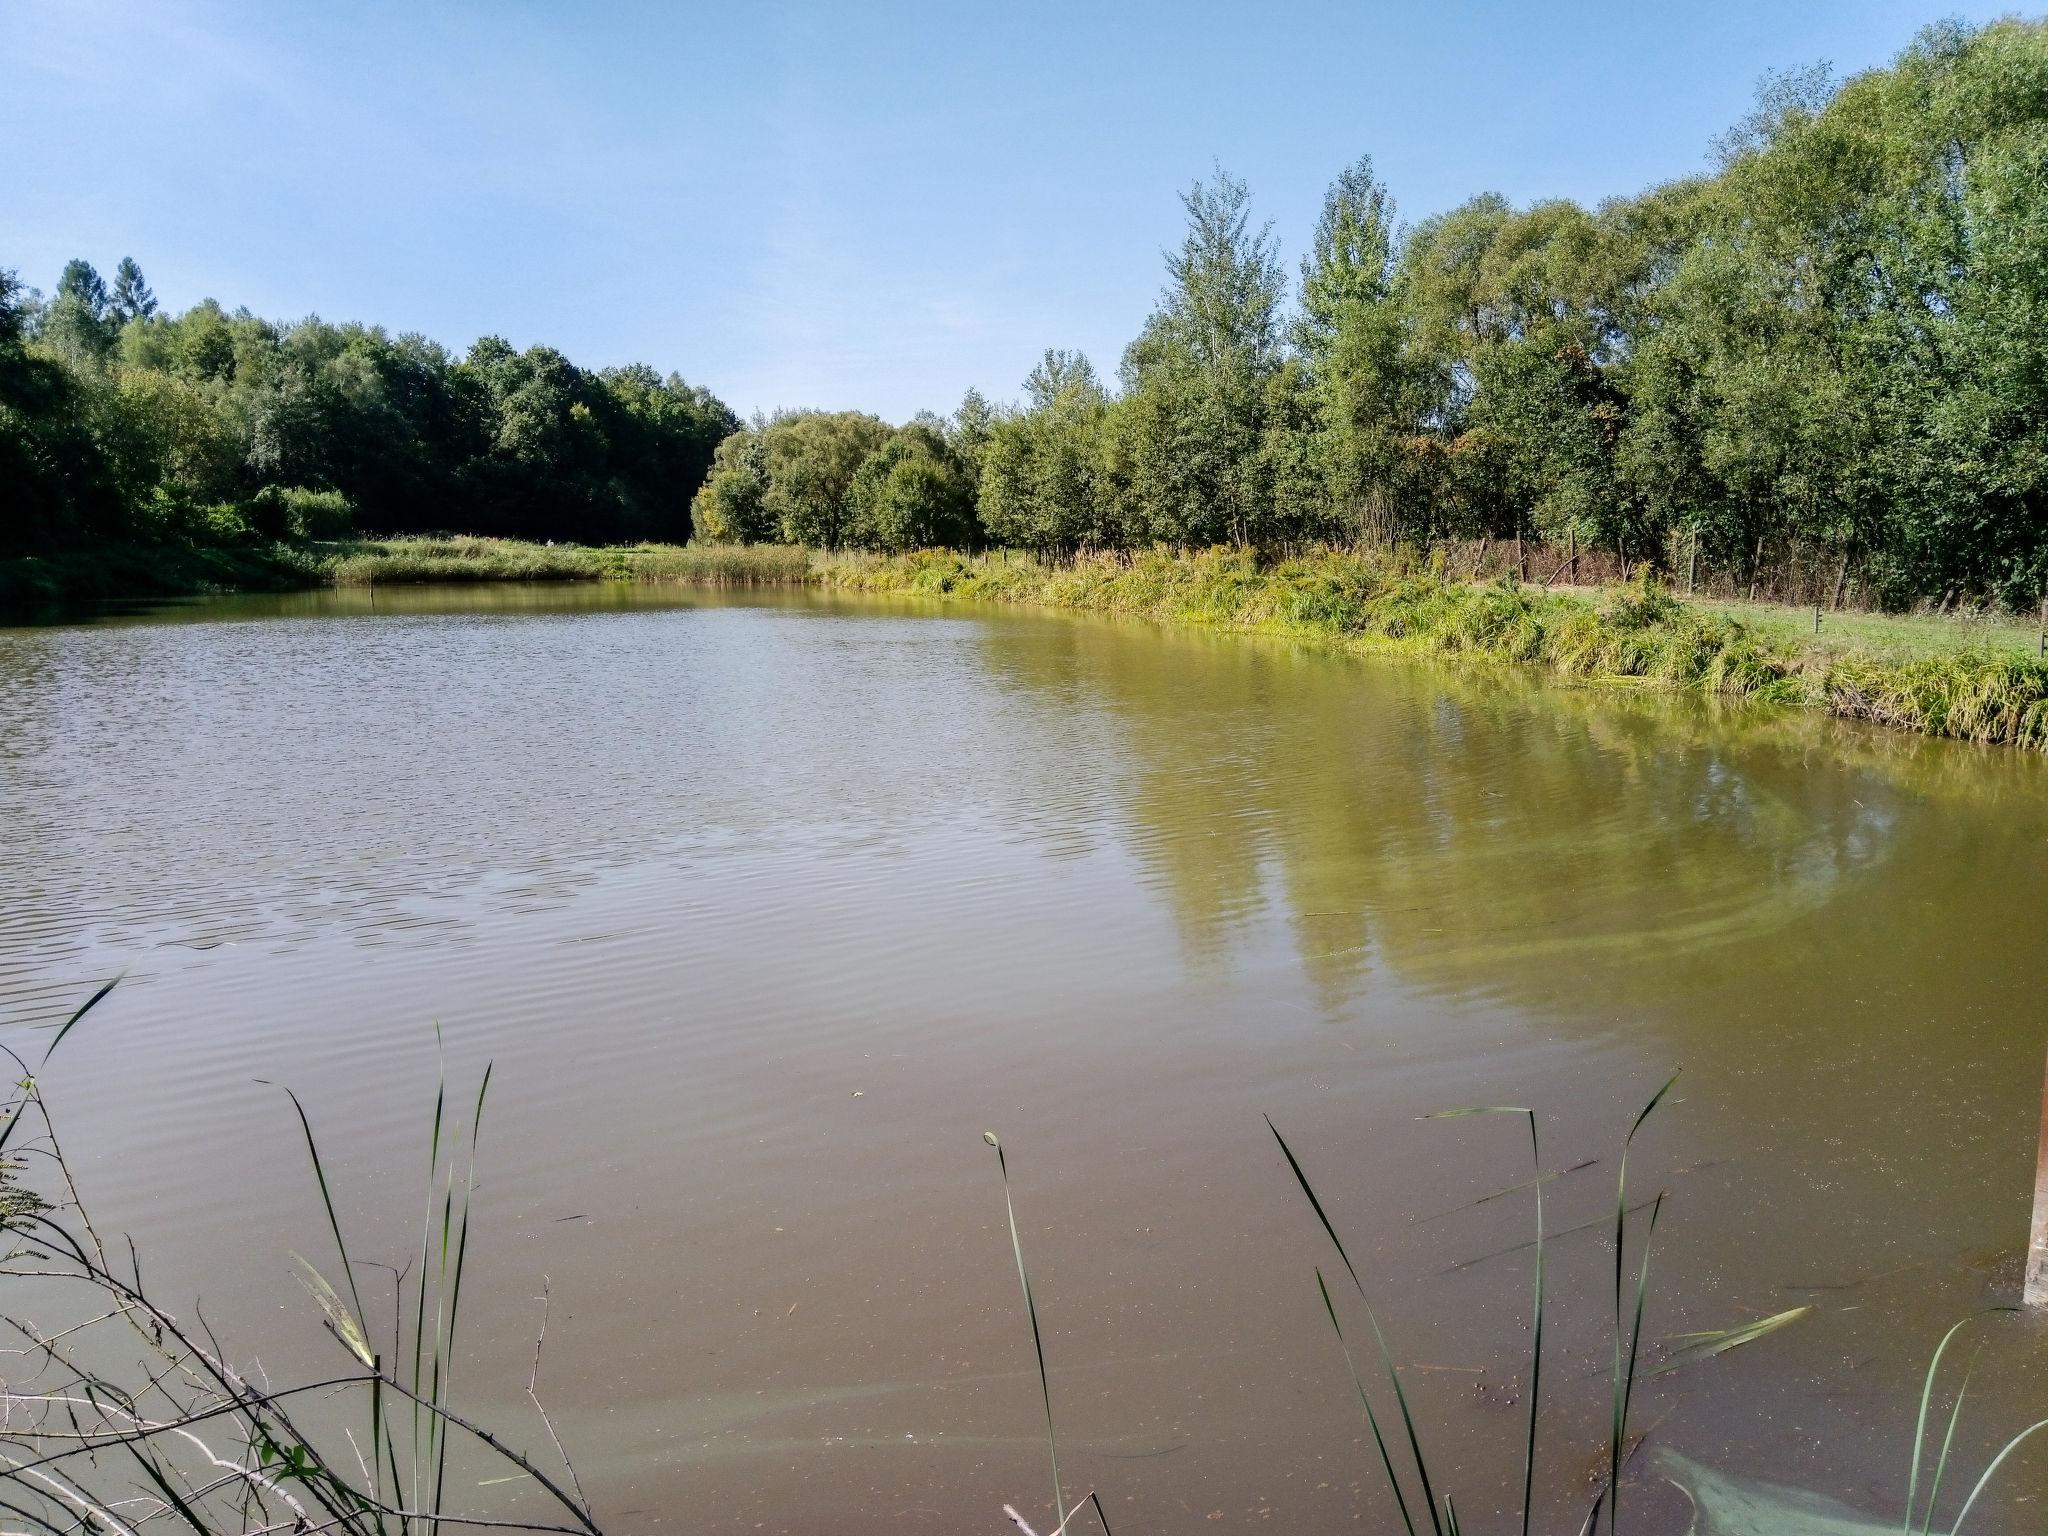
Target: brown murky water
{"type": "Point", "coordinates": [766, 908]}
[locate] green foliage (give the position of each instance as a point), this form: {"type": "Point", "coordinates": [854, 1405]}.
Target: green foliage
{"type": "Point", "coordinates": [115, 416]}
{"type": "Point", "coordinates": [967, 433]}
{"type": "Point", "coordinates": [1833, 349]}
{"type": "Point", "coordinates": [911, 494]}
{"type": "Point", "coordinates": [1043, 484]}
{"type": "Point", "coordinates": [732, 505]}
{"type": "Point", "coordinates": [1183, 445]}
{"type": "Point", "coordinates": [811, 458]}
{"type": "Point", "coordinates": [1837, 344]}
{"type": "Point", "coordinates": [131, 298]}
{"type": "Point", "coordinates": [294, 512]}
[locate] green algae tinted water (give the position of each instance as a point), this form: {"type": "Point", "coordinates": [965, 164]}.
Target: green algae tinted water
{"type": "Point", "coordinates": [766, 908]}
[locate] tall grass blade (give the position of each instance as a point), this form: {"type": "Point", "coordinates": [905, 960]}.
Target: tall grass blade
{"type": "Point", "coordinates": [1372, 1420]}
{"type": "Point", "coordinates": [1627, 1383]}
{"type": "Point", "coordinates": [2010, 1446]}
{"type": "Point", "coordinates": [476, 1124]}
{"type": "Point", "coordinates": [327, 1201]}
{"type": "Point", "coordinates": [1920, 1425]}
{"type": "Point", "coordinates": [1947, 1441]}
{"type": "Point", "coordinates": [1052, 1445]}
{"type": "Point", "coordinates": [1536, 1324]}
{"type": "Point", "coordinates": [1624, 1372]}
{"type": "Point", "coordinates": [1926, 1398]}
{"type": "Point", "coordinates": [176, 1500]}
{"type": "Point", "coordinates": [419, 1316]}
{"type": "Point", "coordinates": [1705, 1346]}
{"type": "Point", "coordinates": [1315, 1204]}
{"type": "Point", "coordinates": [87, 1007]}
{"type": "Point", "coordinates": [1379, 1337]}
{"type": "Point", "coordinates": [351, 1330]}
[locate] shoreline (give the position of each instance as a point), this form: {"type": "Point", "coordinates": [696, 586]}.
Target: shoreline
{"type": "Point", "coordinates": [1915, 677]}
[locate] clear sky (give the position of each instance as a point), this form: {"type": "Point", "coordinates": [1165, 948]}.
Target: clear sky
{"type": "Point", "coordinates": [855, 205]}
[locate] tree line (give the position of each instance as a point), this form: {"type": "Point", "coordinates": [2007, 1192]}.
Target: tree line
{"type": "Point", "coordinates": [1837, 340]}
{"type": "Point", "coordinates": [122, 424]}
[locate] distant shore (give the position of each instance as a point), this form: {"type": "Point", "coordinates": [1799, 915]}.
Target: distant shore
{"type": "Point", "coordinates": [1974, 680]}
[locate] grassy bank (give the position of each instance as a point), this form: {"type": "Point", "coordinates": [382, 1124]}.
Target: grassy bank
{"type": "Point", "coordinates": [1635, 635]}
{"type": "Point", "coordinates": [1975, 682]}
{"type": "Point", "coordinates": [36, 587]}
{"type": "Point", "coordinates": [410, 562]}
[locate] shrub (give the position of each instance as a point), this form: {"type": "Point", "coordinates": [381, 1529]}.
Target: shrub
{"type": "Point", "coordinates": [297, 512]}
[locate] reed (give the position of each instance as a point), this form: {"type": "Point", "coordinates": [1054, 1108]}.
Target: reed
{"type": "Point", "coordinates": [1627, 1337]}
{"type": "Point", "coordinates": [413, 562]}
{"type": "Point", "coordinates": [1052, 1444]}
{"type": "Point", "coordinates": [217, 1453]}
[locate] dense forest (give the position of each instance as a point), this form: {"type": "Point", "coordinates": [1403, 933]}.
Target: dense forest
{"type": "Point", "coordinates": [119, 423]}
{"type": "Point", "coordinates": [1838, 341]}
{"type": "Point", "coordinates": [1835, 344]}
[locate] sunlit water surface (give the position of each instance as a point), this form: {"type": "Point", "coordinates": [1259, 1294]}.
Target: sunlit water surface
{"type": "Point", "coordinates": [766, 908]}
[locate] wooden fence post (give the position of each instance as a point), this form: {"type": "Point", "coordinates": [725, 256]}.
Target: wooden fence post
{"type": "Point", "coordinates": [2036, 1292]}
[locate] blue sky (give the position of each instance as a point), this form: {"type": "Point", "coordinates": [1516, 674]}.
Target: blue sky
{"type": "Point", "coordinates": [864, 205]}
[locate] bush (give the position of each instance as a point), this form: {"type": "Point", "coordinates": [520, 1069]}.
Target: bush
{"type": "Point", "coordinates": [296, 512]}
{"type": "Point", "coordinates": [222, 523]}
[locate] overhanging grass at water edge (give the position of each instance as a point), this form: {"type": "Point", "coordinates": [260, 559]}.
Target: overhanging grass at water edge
{"type": "Point", "coordinates": [1636, 635]}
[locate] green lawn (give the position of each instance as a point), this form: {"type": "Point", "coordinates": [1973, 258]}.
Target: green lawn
{"type": "Point", "coordinates": [1885, 634]}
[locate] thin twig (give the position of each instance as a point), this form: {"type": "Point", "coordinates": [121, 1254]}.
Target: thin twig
{"type": "Point", "coordinates": [533, 1391]}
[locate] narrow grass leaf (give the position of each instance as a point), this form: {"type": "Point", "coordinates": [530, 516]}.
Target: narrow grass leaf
{"type": "Point", "coordinates": [1624, 1367]}
{"type": "Point", "coordinates": [476, 1124]}
{"type": "Point", "coordinates": [1372, 1420]}
{"type": "Point", "coordinates": [1379, 1337]}
{"type": "Point", "coordinates": [1996, 1462]}
{"type": "Point", "coordinates": [1705, 1346]}
{"type": "Point", "coordinates": [1536, 1323]}
{"type": "Point", "coordinates": [327, 1200]}
{"type": "Point", "coordinates": [87, 1007]}
{"type": "Point", "coordinates": [1926, 1398]}
{"type": "Point", "coordinates": [171, 1495]}
{"type": "Point", "coordinates": [345, 1327]}
{"type": "Point", "coordinates": [1315, 1204]}
{"type": "Point", "coordinates": [1037, 1338]}
{"type": "Point", "coordinates": [1947, 1442]}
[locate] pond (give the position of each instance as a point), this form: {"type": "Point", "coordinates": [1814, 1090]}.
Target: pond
{"type": "Point", "coordinates": [765, 907]}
